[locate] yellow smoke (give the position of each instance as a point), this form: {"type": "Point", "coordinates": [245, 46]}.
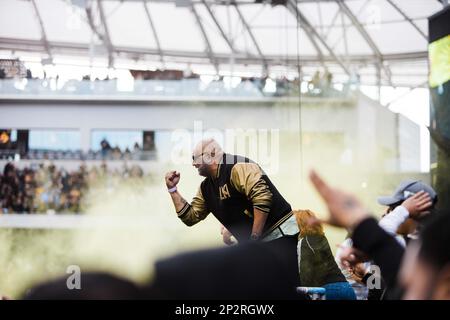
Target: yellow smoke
{"type": "Point", "coordinates": [146, 227]}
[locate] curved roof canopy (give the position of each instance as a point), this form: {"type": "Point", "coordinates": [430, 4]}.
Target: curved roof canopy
{"type": "Point", "coordinates": [384, 41]}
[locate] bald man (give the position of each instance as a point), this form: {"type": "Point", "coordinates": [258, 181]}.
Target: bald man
{"type": "Point", "coordinates": [238, 193]}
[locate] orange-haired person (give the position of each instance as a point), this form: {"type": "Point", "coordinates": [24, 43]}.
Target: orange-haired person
{"type": "Point", "coordinates": [316, 264]}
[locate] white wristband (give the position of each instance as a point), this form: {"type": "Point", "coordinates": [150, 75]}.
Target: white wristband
{"type": "Point", "coordinates": [172, 190]}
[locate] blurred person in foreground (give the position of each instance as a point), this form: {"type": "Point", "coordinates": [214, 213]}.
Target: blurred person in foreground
{"type": "Point", "coordinates": [94, 286]}
{"type": "Point", "coordinates": [408, 208]}
{"type": "Point", "coordinates": [251, 270]}
{"type": "Point", "coordinates": [316, 264]}
{"type": "Point", "coordinates": [208, 274]}
{"type": "Point", "coordinates": [422, 273]}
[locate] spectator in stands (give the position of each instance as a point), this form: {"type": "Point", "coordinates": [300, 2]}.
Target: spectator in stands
{"type": "Point", "coordinates": [314, 84]}
{"type": "Point", "coordinates": [105, 148]}
{"type": "Point", "coordinates": [74, 200]}
{"type": "Point", "coordinates": [29, 190]}
{"type": "Point", "coordinates": [54, 192]}
{"type": "Point", "coordinates": [116, 153]}
{"type": "Point", "coordinates": [136, 147]}
{"type": "Point", "coordinates": [93, 175]}
{"type": "Point", "coordinates": [127, 154]}
{"type": "Point", "coordinates": [10, 187]}
{"type": "Point", "coordinates": [327, 82]}
{"type": "Point", "coordinates": [281, 87]}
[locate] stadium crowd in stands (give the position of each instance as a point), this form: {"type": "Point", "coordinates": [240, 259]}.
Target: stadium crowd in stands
{"type": "Point", "coordinates": [48, 189]}
{"type": "Point", "coordinates": [178, 82]}
{"type": "Point", "coordinates": [107, 153]}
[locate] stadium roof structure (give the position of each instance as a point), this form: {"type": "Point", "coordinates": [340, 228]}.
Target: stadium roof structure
{"type": "Point", "coordinates": [384, 42]}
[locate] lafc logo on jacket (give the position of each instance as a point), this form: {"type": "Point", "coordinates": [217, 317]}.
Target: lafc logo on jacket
{"type": "Point", "coordinates": [224, 193]}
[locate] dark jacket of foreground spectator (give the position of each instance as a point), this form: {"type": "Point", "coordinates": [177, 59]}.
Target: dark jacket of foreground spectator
{"type": "Point", "coordinates": [431, 265]}
{"type": "Point", "coordinates": [247, 271]}
{"type": "Point", "coordinates": [94, 286]}
{"type": "Point", "coordinates": [383, 249]}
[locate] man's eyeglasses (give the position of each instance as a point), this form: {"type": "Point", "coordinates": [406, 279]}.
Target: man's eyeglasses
{"type": "Point", "coordinates": [194, 157]}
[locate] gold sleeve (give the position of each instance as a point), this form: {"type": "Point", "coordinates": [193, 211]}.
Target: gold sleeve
{"type": "Point", "coordinates": [246, 178]}
{"type": "Point", "coordinates": [195, 211]}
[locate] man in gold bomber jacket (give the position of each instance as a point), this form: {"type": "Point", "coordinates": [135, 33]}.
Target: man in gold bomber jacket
{"type": "Point", "coordinates": [239, 194]}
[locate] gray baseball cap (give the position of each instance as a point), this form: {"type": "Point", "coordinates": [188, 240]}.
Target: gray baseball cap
{"type": "Point", "coordinates": [406, 189]}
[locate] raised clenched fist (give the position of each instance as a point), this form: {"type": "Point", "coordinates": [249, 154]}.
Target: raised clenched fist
{"type": "Point", "coordinates": [172, 179]}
